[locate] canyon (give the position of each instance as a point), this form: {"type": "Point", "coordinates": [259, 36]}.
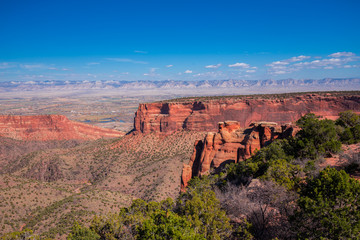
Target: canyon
{"type": "Point", "coordinates": [204, 114]}
{"type": "Point", "coordinates": [53, 169]}
{"type": "Point", "coordinates": [51, 127]}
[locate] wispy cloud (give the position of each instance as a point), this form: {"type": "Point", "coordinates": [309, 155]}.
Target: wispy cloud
{"type": "Point", "coordinates": [139, 51]}
{"type": "Point", "coordinates": [239, 65]}
{"type": "Point", "coordinates": [211, 75]}
{"type": "Point", "coordinates": [5, 65]}
{"type": "Point", "coordinates": [169, 66]}
{"type": "Point", "coordinates": [59, 69]}
{"type": "Point", "coordinates": [92, 75]}
{"type": "Point", "coordinates": [93, 63]}
{"type": "Point", "coordinates": [188, 71]}
{"type": "Point", "coordinates": [32, 66]}
{"type": "Point", "coordinates": [152, 72]}
{"type": "Point", "coordinates": [213, 66]}
{"type": "Point", "coordinates": [126, 60]}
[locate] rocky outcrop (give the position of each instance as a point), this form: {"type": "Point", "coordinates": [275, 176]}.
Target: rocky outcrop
{"type": "Point", "coordinates": [231, 144]}
{"type": "Point", "coordinates": [204, 114]}
{"type": "Point", "coordinates": [51, 127]}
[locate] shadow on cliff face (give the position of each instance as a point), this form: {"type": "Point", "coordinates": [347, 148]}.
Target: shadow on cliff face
{"type": "Point", "coordinates": [165, 109]}
{"type": "Point", "coordinates": [198, 106]}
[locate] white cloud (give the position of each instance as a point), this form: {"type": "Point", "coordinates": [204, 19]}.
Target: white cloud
{"type": "Point", "coordinates": [250, 71]}
{"type": "Point", "coordinates": [65, 69]}
{"type": "Point", "coordinates": [213, 66]}
{"type": "Point", "coordinates": [239, 65]}
{"type": "Point", "coordinates": [93, 63]}
{"type": "Point", "coordinates": [298, 58]}
{"type": "Point", "coordinates": [282, 63]}
{"type": "Point", "coordinates": [169, 66]}
{"type": "Point", "coordinates": [126, 60]}
{"type": "Point", "coordinates": [335, 60]}
{"type": "Point", "coordinates": [188, 71]}
{"type": "Point", "coordinates": [279, 72]}
{"type": "Point", "coordinates": [53, 68]}
{"type": "Point", "coordinates": [342, 54]}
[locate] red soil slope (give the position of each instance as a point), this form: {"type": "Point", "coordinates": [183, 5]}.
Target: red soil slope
{"type": "Point", "coordinates": [50, 127]}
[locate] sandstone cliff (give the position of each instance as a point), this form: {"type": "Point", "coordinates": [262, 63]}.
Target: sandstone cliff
{"type": "Point", "coordinates": [231, 144]}
{"type": "Point", "coordinates": [51, 127]}
{"type": "Point", "coordinates": [204, 114]}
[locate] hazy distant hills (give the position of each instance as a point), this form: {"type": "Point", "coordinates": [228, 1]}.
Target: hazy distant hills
{"type": "Point", "coordinates": [167, 89]}
{"type": "Point", "coordinates": [349, 83]}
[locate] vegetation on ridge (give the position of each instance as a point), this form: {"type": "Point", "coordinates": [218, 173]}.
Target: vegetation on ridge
{"type": "Point", "coordinates": [261, 96]}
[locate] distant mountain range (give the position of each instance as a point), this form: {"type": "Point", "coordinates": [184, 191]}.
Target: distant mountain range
{"type": "Point", "coordinates": [203, 87]}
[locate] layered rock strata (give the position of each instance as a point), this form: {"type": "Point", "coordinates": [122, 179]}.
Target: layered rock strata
{"type": "Point", "coordinates": [203, 115]}
{"type": "Point", "coordinates": [51, 127]}
{"type": "Point", "coordinates": [231, 144]}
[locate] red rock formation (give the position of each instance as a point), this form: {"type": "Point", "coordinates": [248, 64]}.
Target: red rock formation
{"type": "Point", "coordinates": [50, 127]}
{"type": "Point", "coordinates": [168, 117]}
{"type": "Point", "coordinates": [231, 144]}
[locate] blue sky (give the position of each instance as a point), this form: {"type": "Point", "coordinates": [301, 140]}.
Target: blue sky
{"type": "Point", "coordinates": [180, 40]}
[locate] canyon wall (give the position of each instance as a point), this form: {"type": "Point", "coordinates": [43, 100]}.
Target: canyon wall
{"type": "Point", "coordinates": [204, 114]}
{"type": "Point", "coordinates": [51, 127]}
{"type": "Point", "coordinates": [231, 144]}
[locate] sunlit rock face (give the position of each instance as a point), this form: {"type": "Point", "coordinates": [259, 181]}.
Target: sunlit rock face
{"type": "Point", "coordinates": [204, 115]}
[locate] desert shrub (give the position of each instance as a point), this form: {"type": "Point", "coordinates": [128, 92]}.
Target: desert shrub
{"type": "Point", "coordinates": [329, 207]}
{"type": "Point", "coordinates": [349, 127]}
{"type": "Point", "coordinates": [79, 232]}
{"type": "Point", "coordinates": [127, 223]}
{"type": "Point", "coordinates": [167, 225]}
{"type": "Point", "coordinates": [283, 173]}
{"type": "Point", "coordinates": [316, 137]}
{"type": "Point", "coordinates": [274, 162]}
{"type": "Point", "coordinates": [348, 119]}
{"type": "Point", "coordinates": [202, 209]}
{"type": "Point", "coordinates": [26, 234]}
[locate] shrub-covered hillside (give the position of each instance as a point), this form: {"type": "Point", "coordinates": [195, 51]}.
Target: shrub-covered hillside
{"type": "Point", "coordinates": [279, 193]}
